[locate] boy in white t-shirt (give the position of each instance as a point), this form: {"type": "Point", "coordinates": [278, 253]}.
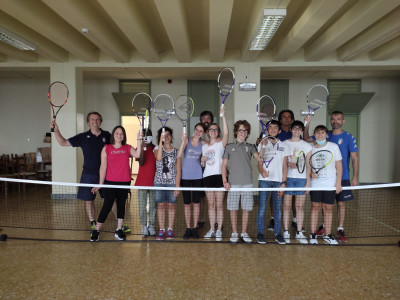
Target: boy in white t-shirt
{"type": "Point", "coordinates": [298, 163]}
{"type": "Point", "coordinates": [273, 173]}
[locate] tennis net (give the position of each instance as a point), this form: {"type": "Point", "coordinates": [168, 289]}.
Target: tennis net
{"type": "Point", "coordinates": [373, 217]}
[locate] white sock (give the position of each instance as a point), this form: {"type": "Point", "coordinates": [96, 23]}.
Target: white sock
{"type": "Point", "coordinates": [294, 220]}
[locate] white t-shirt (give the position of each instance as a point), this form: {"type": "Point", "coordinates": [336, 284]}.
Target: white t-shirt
{"type": "Point", "coordinates": [214, 155]}
{"type": "Point", "coordinates": [278, 153]}
{"type": "Point", "coordinates": [327, 175]}
{"type": "Point", "coordinates": [295, 149]}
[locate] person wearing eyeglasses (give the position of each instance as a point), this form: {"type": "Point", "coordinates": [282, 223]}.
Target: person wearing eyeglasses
{"type": "Point", "coordinates": [237, 173]}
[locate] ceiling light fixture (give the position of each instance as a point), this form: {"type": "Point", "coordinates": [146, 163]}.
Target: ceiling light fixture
{"type": "Point", "coordinates": [268, 25]}
{"type": "Point", "coordinates": [14, 40]}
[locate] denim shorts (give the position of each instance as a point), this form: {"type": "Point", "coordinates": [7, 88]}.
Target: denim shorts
{"type": "Point", "coordinates": [295, 183]}
{"type": "Point", "coordinates": [164, 195]}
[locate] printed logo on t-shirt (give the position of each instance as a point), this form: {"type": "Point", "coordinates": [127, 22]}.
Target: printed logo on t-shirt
{"type": "Point", "coordinates": [210, 154]}
{"type": "Point", "coordinates": [340, 141]}
{"type": "Point", "coordinates": [246, 148]}
{"type": "Point", "coordinates": [104, 140]}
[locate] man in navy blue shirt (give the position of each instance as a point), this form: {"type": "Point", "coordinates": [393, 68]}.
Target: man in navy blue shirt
{"type": "Point", "coordinates": [91, 142]}
{"type": "Point", "coordinates": [348, 148]}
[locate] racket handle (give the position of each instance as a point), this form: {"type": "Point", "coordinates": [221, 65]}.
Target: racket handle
{"type": "Point", "coordinates": [305, 123]}
{"type": "Point", "coordinates": [222, 106]}
{"type": "Point", "coordinates": [52, 129]}
{"type": "Point", "coordinates": [163, 134]}
{"type": "Point", "coordinates": [144, 148]}
{"type": "Point", "coordinates": [141, 128]}
{"type": "Point", "coordinates": [184, 130]}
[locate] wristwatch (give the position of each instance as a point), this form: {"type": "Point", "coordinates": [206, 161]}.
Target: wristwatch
{"type": "Point", "coordinates": [284, 182]}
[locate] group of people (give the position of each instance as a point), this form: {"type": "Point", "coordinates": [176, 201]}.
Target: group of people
{"type": "Point", "coordinates": [205, 159]}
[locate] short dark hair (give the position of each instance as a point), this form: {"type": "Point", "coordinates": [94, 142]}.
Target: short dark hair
{"type": "Point", "coordinates": [94, 113]}
{"type": "Point", "coordinates": [337, 112]}
{"type": "Point", "coordinates": [275, 122]}
{"type": "Point", "coordinates": [112, 140]}
{"type": "Point", "coordinates": [159, 133]}
{"type": "Point", "coordinates": [321, 127]}
{"type": "Point", "coordinates": [297, 123]}
{"type": "Point", "coordinates": [237, 125]}
{"type": "Point", "coordinates": [209, 113]}
{"type": "Point", "coordinates": [285, 111]}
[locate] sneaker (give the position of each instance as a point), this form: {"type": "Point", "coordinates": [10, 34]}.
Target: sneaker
{"type": "Point", "coordinates": [200, 224]}
{"type": "Point", "coordinates": [126, 229]}
{"type": "Point", "coordinates": [188, 233]}
{"type": "Point", "coordinates": [92, 226]}
{"type": "Point", "coordinates": [145, 231]}
{"type": "Point", "coordinates": [152, 231]}
{"type": "Point", "coordinates": [94, 236]}
{"type": "Point", "coordinates": [218, 236]}
{"type": "Point", "coordinates": [245, 238]}
{"type": "Point", "coordinates": [286, 236]}
{"type": "Point", "coordinates": [260, 238]}
{"type": "Point", "coordinates": [216, 227]}
{"type": "Point", "coordinates": [320, 231]}
{"type": "Point", "coordinates": [341, 237]}
{"type": "Point", "coordinates": [279, 238]}
{"type": "Point", "coordinates": [120, 235]}
{"type": "Point", "coordinates": [271, 225]}
{"type": "Point", "coordinates": [160, 235]}
{"type": "Point", "coordinates": [294, 226]}
{"type": "Point", "coordinates": [330, 240]}
{"type": "Point", "coordinates": [170, 234]}
{"type": "Point", "coordinates": [210, 234]}
{"type": "Point", "coordinates": [234, 237]}
{"type": "Point", "coordinates": [301, 238]}
{"type": "Point", "coordinates": [195, 233]}
{"type": "Point", "coordinates": [313, 239]}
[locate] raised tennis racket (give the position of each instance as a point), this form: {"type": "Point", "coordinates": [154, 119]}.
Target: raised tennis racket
{"type": "Point", "coordinates": [163, 107]}
{"type": "Point", "coordinates": [57, 95]}
{"type": "Point", "coordinates": [266, 112]}
{"type": "Point", "coordinates": [320, 159]}
{"type": "Point", "coordinates": [301, 162]}
{"type": "Point", "coordinates": [141, 106]}
{"type": "Point", "coordinates": [184, 108]}
{"type": "Point", "coordinates": [317, 97]}
{"type": "Point", "coordinates": [226, 83]}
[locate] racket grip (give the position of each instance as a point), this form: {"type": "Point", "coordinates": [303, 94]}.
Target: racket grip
{"type": "Point", "coordinates": [222, 106]}
{"type": "Point", "coordinates": [52, 129]}
{"type": "Point", "coordinates": [163, 134]}
{"type": "Point", "coordinates": [305, 123]}
{"type": "Point", "coordinates": [184, 130]}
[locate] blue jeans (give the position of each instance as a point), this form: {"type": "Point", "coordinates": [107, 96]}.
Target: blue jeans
{"type": "Point", "coordinates": [262, 206]}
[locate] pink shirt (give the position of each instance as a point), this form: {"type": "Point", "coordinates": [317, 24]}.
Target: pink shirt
{"type": "Point", "coordinates": [118, 168]}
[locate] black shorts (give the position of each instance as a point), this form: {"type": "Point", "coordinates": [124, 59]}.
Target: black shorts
{"type": "Point", "coordinates": [346, 195]}
{"type": "Point", "coordinates": [85, 193]}
{"type": "Point", "coordinates": [213, 181]}
{"type": "Point", "coordinates": [327, 197]}
{"type": "Point", "coordinates": [191, 196]}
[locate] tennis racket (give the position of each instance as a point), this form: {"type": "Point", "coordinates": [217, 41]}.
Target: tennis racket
{"type": "Point", "coordinates": [266, 111]}
{"type": "Point", "coordinates": [301, 162]}
{"type": "Point", "coordinates": [163, 107]}
{"type": "Point", "coordinates": [141, 105]}
{"type": "Point", "coordinates": [270, 155]}
{"type": "Point", "coordinates": [57, 95]}
{"type": "Point", "coordinates": [320, 159]}
{"type": "Point", "coordinates": [184, 108]}
{"type": "Point", "coordinates": [317, 96]}
{"type": "Point", "coordinates": [226, 83]}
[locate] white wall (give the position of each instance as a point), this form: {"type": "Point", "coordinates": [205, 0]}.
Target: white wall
{"type": "Point", "coordinates": [24, 115]}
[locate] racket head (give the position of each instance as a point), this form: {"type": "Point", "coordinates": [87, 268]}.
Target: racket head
{"type": "Point", "coordinates": [141, 103]}
{"type": "Point", "coordinates": [184, 107]}
{"type": "Point", "coordinates": [58, 94]}
{"type": "Point", "coordinates": [301, 162]}
{"type": "Point", "coordinates": [226, 82]}
{"type": "Point", "coordinates": [266, 109]}
{"type": "Point", "coordinates": [163, 107]}
{"type": "Point", "coordinates": [320, 159]}
{"type": "Point", "coordinates": [317, 96]}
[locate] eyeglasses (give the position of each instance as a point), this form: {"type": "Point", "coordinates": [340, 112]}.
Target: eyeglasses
{"type": "Point", "coordinates": [213, 130]}
{"type": "Point", "coordinates": [242, 130]}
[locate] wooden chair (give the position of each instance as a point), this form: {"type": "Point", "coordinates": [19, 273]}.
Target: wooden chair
{"type": "Point", "coordinates": [8, 169]}
{"type": "Point", "coordinates": [28, 167]}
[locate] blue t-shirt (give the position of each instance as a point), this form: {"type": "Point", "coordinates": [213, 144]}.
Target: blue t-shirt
{"type": "Point", "coordinates": [191, 168]}
{"type": "Point", "coordinates": [284, 135]}
{"type": "Point", "coordinates": [347, 144]}
{"type": "Point", "coordinates": [91, 146]}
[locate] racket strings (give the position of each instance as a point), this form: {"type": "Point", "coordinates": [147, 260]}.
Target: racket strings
{"type": "Point", "coordinates": [163, 107]}
{"type": "Point", "coordinates": [184, 108]}
{"type": "Point", "coordinates": [140, 104]}
{"type": "Point", "coordinates": [58, 94]}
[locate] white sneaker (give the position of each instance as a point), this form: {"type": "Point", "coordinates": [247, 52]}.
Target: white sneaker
{"type": "Point", "coordinates": [313, 239]}
{"type": "Point", "coordinates": [234, 237]}
{"type": "Point", "coordinates": [218, 236]}
{"type": "Point", "coordinates": [210, 234]}
{"type": "Point", "coordinates": [245, 238]}
{"type": "Point", "coordinates": [301, 238]}
{"type": "Point", "coordinates": [286, 237]}
{"type": "Point", "coordinates": [330, 240]}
